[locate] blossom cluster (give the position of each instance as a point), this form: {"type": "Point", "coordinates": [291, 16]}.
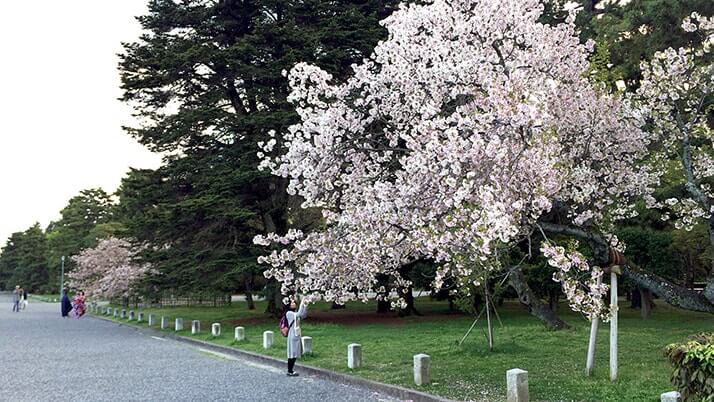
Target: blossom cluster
{"type": "Point", "coordinates": [675, 93]}
{"type": "Point", "coordinates": [584, 294]}
{"type": "Point", "coordinates": [108, 270]}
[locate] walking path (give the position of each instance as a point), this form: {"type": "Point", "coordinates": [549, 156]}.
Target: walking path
{"type": "Point", "coordinates": [47, 358]}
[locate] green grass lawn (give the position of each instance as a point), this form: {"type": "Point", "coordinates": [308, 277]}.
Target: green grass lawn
{"type": "Point", "coordinates": [555, 360]}
{"type": "Point", "coordinates": [50, 298]}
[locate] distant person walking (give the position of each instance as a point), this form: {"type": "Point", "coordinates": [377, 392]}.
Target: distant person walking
{"type": "Point", "coordinates": [294, 334]}
{"type": "Point", "coordinates": [78, 305]}
{"type": "Point", "coordinates": [16, 299]}
{"type": "Point", "coordinates": [24, 299]}
{"type": "Point", "coordinates": [65, 304]}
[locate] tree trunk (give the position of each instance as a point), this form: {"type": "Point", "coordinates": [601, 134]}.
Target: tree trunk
{"type": "Point", "coordinates": [553, 298]}
{"type": "Point", "coordinates": [647, 304]}
{"type": "Point", "coordinates": [636, 299]}
{"type": "Point", "coordinates": [410, 309]}
{"type": "Point", "coordinates": [336, 306]}
{"type": "Point", "coordinates": [275, 306]}
{"type": "Point", "coordinates": [709, 288]}
{"type": "Point", "coordinates": [249, 292]}
{"type": "Point", "coordinates": [383, 305]}
{"type": "Point", "coordinates": [537, 308]}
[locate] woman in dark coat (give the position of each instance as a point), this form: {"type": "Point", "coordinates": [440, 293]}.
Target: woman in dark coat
{"type": "Point", "coordinates": [65, 304]}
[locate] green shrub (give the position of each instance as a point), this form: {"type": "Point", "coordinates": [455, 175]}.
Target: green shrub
{"type": "Point", "coordinates": [693, 367]}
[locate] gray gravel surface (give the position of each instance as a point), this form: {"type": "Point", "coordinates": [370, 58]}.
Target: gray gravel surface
{"type": "Point", "coordinates": [44, 357]}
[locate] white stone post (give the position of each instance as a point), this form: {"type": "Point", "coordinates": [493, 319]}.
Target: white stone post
{"type": "Point", "coordinates": [613, 323]}
{"type": "Point", "coordinates": [354, 355]}
{"type": "Point", "coordinates": [267, 339]}
{"type": "Point", "coordinates": [116, 312]}
{"type": "Point", "coordinates": [216, 329]}
{"type": "Point", "coordinates": [140, 317]}
{"type": "Point", "coordinates": [239, 334]}
{"type": "Point", "coordinates": [108, 311]}
{"type": "Point", "coordinates": [672, 396]}
{"type": "Point", "coordinates": [131, 315]}
{"type": "Point", "coordinates": [517, 385]}
{"type": "Point", "coordinates": [123, 314]}
{"type": "Point", "coordinates": [306, 345]}
{"type": "Point", "coordinates": [195, 327]}
{"type": "Point", "coordinates": [422, 369]}
{"type": "Point", "coordinates": [164, 322]}
{"type": "Point", "coordinates": [178, 324]}
{"type": "Point", "coordinates": [152, 320]}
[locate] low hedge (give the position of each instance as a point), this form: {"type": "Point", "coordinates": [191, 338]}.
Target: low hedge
{"type": "Point", "coordinates": [693, 363]}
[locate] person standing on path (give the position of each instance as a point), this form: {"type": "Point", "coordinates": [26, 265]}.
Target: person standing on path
{"type": "Point", "coordinates": [16, 299]}
{"type": "Point", "coordinates": [65, 304]}
{"type": "Point", "coordinates": [294, 334]}
{"type": "Point", "coordinates": [24, 299]}
{"type": "Point", "coordinates": [78, 304]}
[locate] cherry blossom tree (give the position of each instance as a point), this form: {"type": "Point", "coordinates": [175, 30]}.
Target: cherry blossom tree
{"type": "Point", "coordinates": [676, 94]}
{"type": "Point", "coordinates": [469, 132]}
{"type": "Point", "coordinates": [108, 270]}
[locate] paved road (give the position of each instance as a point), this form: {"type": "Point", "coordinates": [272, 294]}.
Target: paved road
{"type": "Point", "coordinates": [44, 357]}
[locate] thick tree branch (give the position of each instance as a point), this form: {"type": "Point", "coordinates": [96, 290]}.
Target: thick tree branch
{"type": "Point", "coordinates": [673, 294]}
{"type": "Point", "coordinates": [535, 306]}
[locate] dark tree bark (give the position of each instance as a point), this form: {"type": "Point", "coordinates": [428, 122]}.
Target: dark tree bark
{"type": "Point", "coordinates": [647, 304]}
{"type": "Point", "coordinates": [275, 306]}
{"type": "Point", "coordinates": [673, 294]}
{"type": "Point", "coordinates": [249, 292]}
{"type": "Point", "coordinates": [636, 301]}
{"type": "Point", "coordinates": [383, 305]}
{"type": "Point", "coordinates": [407, 293]}
{"type": "Point", "coordinates": [553, 299]}
{"type": "Point", "coordinates": [535, 306]}
{"type": "Point", "coordinates": [410, 309]}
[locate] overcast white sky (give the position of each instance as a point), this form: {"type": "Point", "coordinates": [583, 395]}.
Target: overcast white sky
{"type": "Point", "coordinates": [60, 120]}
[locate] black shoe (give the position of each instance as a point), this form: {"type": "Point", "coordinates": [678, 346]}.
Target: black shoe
{"type": "Point", "coordinates": [293, 374]}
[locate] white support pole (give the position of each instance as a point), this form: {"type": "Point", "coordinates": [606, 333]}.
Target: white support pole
{"type": "Point", "coordinates": [590, 365]}
{"type": "Point", "coordinates": [613, 324]}
{"type": "Point", "coordinates": [488, 321]}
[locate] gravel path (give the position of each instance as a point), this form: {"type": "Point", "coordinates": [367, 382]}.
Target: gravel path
{"type": "Point", "coordinates": [44, 357]}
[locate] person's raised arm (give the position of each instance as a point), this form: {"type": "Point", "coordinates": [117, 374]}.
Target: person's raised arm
{"type": "Point", "coordinates": [302, 312]}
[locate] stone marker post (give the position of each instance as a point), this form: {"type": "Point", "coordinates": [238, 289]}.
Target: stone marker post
{"type": "Point", "coordinates": [108, 311]}
{"type": "Point", "coordinates": [517, 385]}
{"type": "Point", "coordinates": [116, 312]}
{"type": "Point", "coordinates": [131, 315]}
{"type": "Point", "coordinates": [672, 396]}
{"type": "Point", "coordinates": [152, 320]}
{"type": "Point", "coordinates": [178, 324]}
{"type": "Point", "coordinates": [239, 334]}
{"type": "Point", "coordinates": [422, 369]}
{"type": "Point", "coordinates": [123, 314]}
{"type": "Point", "coordinates": [216, 329]}
{"type": "Point", "coordinates": [306, 345]}
{"type": "Point", "coordinates": [140, 317]}
{"type": "Point", "coordinates": [195, 327]}
{"type": "Point", "coordinates": [354, 355]}
{"type": "Point", "coordinates": [267, 339]}
{"type": "Point", "coordinates": [164, 322]}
